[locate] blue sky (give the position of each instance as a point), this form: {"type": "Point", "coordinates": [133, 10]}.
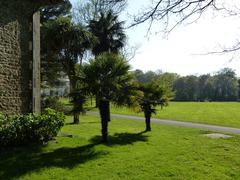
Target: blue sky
{"type": "Point", "coordinates": [181, 52]}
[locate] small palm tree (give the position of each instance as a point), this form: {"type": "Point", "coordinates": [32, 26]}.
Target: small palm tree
{"type": "Point", "coordinates": [77, 99]}
{"type": "Point", "coordinates": [153, 95]}
{"type": "Point", "coordinates": [108, 78]}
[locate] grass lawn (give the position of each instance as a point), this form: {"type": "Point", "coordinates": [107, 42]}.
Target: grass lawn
{"type": "Point", "coordinates": [219, 113]}
{"type": "Point", "coordinates": [167, 152]}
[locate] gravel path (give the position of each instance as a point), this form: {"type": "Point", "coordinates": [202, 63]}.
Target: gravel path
{"type": "Point", "coordinates": [178, 123]}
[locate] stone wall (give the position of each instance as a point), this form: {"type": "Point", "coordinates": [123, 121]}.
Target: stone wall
{"type": "Point", "coordinates": [15, 56]}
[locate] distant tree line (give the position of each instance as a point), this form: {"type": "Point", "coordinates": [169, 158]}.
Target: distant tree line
{"type": "Point", "coordinates": [221, 86]}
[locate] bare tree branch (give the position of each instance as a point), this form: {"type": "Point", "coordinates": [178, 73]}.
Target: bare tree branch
{"type": "Point", "coordinates": [129, 52]}
{"type": "Point", "coordinates": [180, 10]}
{"type": "Point", "coordinates": [172, 13]}
{"type": "Point", "coordinates": [91, 9]}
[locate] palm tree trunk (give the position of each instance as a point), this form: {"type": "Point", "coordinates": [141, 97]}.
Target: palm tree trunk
{"type": "Point", "coordinates": [76, 118]}
{"type": "Point", "coordinates": [76, 114]}
{"type": "Point", "coordinates": [104, 109]}
{"type": "Point", "coordinates": [147, 115]}
{"type": "Point", "coordinates": [96, 101]}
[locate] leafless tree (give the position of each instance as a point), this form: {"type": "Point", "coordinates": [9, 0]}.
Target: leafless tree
{"type": "Point", "coordinates": [129, 52]}
{"type": "Point", "coordinates": [179, 10]}
{"type": "Point", "coordinates": [91, 9]}
{"type": "Point", "coordinates": [171, 13]}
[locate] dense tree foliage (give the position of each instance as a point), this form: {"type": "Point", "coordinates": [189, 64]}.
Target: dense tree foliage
{"type": "Point", "coordinates": [68, 42]}
{"type": "Point", "coordinates": [146, 77]}
{"type": "Point", "coordinates": [186, 88]}
{"type": "Point", "coordinates": [204, 86]}
{"type": "Point", "coordinates": [51, 69]}
{"type": "Point", "coordinates": [222, 86]}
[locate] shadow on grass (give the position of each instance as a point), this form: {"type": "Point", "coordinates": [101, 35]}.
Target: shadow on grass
{"type": "Point", "coordinates": [89, 108]}
{"type": "Point", "coordinates": [122, 138]}
{"type": "Point", "coordinates": [70, 123]}
{"type": "Point", "coordinates": [90, 122]}
{"type": "Point", "coordinates": [16, 163]}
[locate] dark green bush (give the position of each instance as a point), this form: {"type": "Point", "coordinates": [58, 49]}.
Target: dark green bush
{"type": "Point", "coordinates": [54, 103]}
{"type": "Point", "coordinates": [31, 128]}
{"type": "Point", "coordinates": [50, 102]}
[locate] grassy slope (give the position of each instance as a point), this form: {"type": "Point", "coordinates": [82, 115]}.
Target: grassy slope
{"type": "Point", "coordinates": [165, 153]}
{"type": "Point", "coordinates": [220, 113]}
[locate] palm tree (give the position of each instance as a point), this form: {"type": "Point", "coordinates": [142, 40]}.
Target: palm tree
{"type": "Point", "coordinates": [68, 42]}
{"type": "Point", "coordinates": [109, 32]}
{"type": "Point", "coordinates": [153, 95]}
{"type": "Point", "coordinates": [108, 78]}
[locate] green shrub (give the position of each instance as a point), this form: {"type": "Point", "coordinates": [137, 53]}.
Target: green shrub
{"type": "Point", "coordinates": [54, 103]}
{"type": "Point", "coordinates": [50, 102]}
{"type": "Point", "coordinates": [31, 128]}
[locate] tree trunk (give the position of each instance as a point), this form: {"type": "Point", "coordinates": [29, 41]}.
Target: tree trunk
{"type": "Point", "coordinates": [104, 109]}
{"type": "Point", "coordinates": [147, 115]}
{"type": "Point", "coordinates": [76, 118]}
{"type": "Point", "coordinates": [96, 101]}
{"type": "Point", "coordinates": [91, 101]}
{"type": "Point", "coordinates": [73, 84]}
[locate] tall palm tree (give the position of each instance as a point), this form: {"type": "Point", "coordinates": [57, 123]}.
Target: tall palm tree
{"type": "Point", "coordinates": [110, 35]}
{"type": "Point", "coordinates": [108, 78]}
{"type": "Point", "coordinates": [109, 32]}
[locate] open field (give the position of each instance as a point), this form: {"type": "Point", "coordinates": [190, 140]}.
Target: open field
{"type": "Point", "coordinates": [165, 153]}
{"type": "Point", "coordinates": [218, 113]}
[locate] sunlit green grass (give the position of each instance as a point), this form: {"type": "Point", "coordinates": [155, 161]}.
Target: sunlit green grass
{"type": "Point", "coordinates": [167, 152]}
{"type": "Point", "coordinates": [219, 113]}
{"type": "Point", "coordinates": [65, 101]}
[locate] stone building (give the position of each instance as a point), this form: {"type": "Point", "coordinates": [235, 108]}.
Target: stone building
{"type": "Point", "coordinates": [16, 54]}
